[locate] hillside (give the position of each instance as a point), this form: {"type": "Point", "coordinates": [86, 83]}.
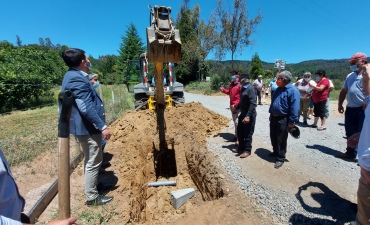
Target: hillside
{"type": "Point", "coordinates": [335, 68]}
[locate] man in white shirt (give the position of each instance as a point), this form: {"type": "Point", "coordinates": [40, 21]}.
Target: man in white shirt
{"type": "Point", "coordinates": [258, 87]}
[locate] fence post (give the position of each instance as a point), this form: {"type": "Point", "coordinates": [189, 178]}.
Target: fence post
{"type": "Point", "coordinates": [65, 102]}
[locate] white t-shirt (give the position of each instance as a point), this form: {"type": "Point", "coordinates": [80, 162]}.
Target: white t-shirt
{"type": "Point", "coordinates": [304, 88]}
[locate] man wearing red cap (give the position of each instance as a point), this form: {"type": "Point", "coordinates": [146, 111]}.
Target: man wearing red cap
{"type": "Point", "coordinates": [354, 115]}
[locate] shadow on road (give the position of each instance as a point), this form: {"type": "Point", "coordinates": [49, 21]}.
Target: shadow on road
{"type": "Point", "coordinates": [264, 154]}
{"type": "Point", "coordinates": [329, 151]}
{"type": "Point", "coordinates": [331, 204]}
{"type": "Point", "coordinates": [227, 136]}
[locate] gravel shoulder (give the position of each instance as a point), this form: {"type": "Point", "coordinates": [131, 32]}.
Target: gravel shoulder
{"type": "Point", "coordinates": [314, 187]}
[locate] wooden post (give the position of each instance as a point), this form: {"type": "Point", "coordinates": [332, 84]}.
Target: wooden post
{"type": "Point", "coordinates": [65, 108]}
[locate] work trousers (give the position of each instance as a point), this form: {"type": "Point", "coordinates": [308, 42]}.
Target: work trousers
{"type": "Point", "coordinates": [258, 92]}
{"type": "Point", "coordinates": [363, 202]}
{"type": "Point", "coordinates": [353, 120]}
{"type": "Point", "coordinates": [303, 108]}
{"type": "Point", "coordinates": [234, 115]}
{"type": "Point", "coordinates": [245, 133]}
{"type": "Point", "coordinates": [92, 148]}
{"type": "Point", "coordinates": [279, 135]}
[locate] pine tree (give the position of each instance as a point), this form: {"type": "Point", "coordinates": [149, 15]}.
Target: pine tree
{"type": "Point", "coordinates": [256, 67]}
{"type": "Point", "coordinates": [130, 48]}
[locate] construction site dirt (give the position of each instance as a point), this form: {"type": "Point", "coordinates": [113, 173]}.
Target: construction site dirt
{"type": "Point", "coordinates": [135, 160]}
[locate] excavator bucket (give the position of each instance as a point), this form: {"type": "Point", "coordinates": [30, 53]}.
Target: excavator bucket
{"type": "Point", "coordinates": [163, 40]}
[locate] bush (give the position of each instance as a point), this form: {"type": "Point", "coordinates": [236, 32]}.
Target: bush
{"type": "Point", "coordinates": [219, 80]}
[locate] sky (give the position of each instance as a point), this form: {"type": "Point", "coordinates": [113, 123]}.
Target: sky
{"type": "Point", "coordinates": [291, 30]}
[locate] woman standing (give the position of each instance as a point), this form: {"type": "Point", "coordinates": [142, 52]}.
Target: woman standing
{"type": "Point", "coordinates": [319, 98]}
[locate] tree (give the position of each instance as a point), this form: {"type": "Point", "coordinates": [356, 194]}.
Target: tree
{"type": "Point", "coordinates": [130, 48]}
{"type": "Point", "coordinates": [256, 67]}
{"type": "Point", "coordinates": [19, 41]}
{"type": "Point", "coordinates": [235, 27]}
{"type": "Point", "coordinates": [198, 39]}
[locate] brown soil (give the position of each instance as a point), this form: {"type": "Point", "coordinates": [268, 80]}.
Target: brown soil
{"type": "Point", "coordinates": [137, 157]}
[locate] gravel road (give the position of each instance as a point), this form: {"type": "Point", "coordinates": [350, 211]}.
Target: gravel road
{"type": "Point", "coordinates": [314, 187]}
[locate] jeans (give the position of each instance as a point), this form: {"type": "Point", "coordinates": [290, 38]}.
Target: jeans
{"type": "Point", "coordinates": [353, 120]}
{"type": "Point", "coordinates": [327, 108]}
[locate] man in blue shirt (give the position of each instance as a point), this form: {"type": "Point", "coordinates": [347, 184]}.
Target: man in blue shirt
{"type": "Point", "coordinates": [283, 114]}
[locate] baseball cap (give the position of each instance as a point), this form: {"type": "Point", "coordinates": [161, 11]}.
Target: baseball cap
{"type": "Point", "coordinates": [357, 56]}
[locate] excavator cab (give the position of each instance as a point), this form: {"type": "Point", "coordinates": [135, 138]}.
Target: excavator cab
{"type": "Point", "coordinates": [163, 40]}
{"type": "Point", "coordinates": [145, 89]}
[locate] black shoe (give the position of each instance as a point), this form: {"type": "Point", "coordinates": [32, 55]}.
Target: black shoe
{"type": "Point", "coordinates": [100, 200]}
{"type": "Point", "coordinates": [278, 164]}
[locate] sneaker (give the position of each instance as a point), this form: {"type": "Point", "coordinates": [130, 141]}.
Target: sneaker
{"type": "Point", "coordinates": [345, 156]}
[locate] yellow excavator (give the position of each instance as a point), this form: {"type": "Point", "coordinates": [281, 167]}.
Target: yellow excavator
{"type": "Point", "coordinates": [163, 46]}
{"type": "Point", "coordinates": [156, 88]}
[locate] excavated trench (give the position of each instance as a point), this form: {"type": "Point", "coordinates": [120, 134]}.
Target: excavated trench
{"type": "Point", "coordinates": [183, 158]}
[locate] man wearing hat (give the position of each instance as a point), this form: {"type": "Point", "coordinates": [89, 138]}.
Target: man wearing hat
{"type": "Point", "coordinates": [247, 117]}
{"type": "Point", "coordinates": [283, 114]}
{"type": "Point", "coordinates": [354, 114]}
{"type": "Point", "coordinates": [258, 86]}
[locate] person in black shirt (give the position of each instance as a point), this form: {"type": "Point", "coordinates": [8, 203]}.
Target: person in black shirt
{"type": "Point", "coordinates": [247, 117]}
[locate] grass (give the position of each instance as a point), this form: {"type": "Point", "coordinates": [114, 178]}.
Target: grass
{"type": "Point", "coordinates": [26, 134]}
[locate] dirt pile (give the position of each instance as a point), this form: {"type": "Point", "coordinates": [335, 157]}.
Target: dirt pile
{"type": "Point", "coordinates": [135, 143]}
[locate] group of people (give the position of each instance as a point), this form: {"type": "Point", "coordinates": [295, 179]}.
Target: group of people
{"type": "Point", "coordinates": [87, 125]}
{"type": "Point", "coordinates": [283, 112]}
{"type": "Point", "coordinates": [290, 101]}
